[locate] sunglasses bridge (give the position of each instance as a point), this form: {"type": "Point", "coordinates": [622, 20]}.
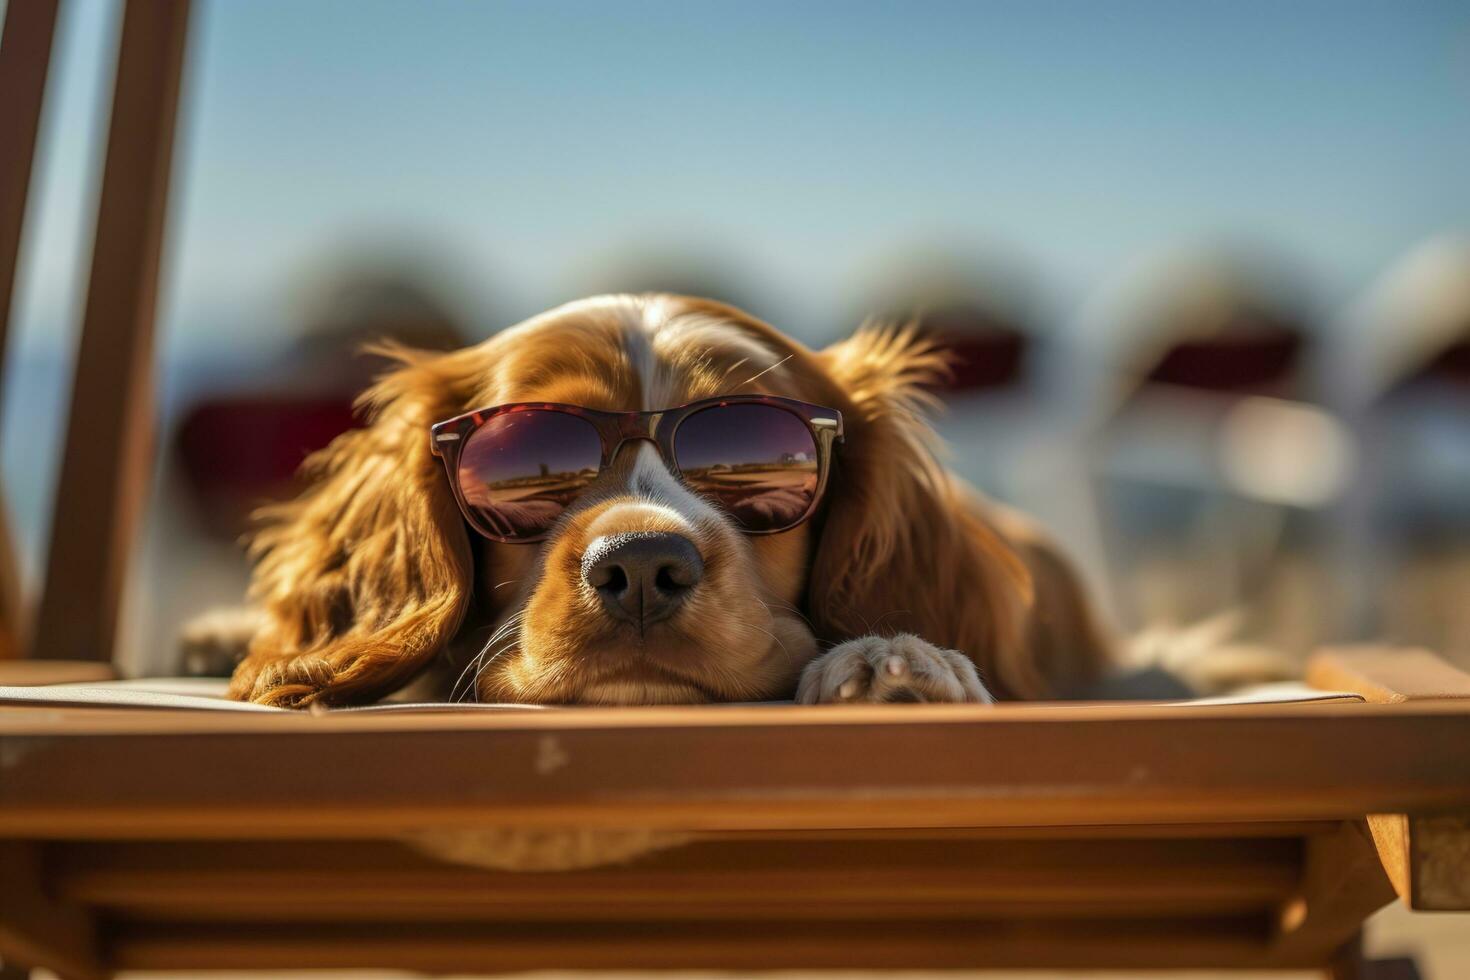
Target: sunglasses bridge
{"type": "Point", "coordinates": [635, 427]}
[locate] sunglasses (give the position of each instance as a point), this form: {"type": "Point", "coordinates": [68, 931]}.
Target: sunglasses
{"type": "Point", "coordinates": [516, 468]}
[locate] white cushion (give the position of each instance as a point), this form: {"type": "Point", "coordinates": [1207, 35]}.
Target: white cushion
{"type": "Point", "coordinates": [201, 693]}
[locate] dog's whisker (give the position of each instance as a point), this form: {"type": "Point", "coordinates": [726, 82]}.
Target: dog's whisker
{"type": "Point", "coordinates": [792, 609]}
{"type": "Point", "coordinates": [775, 640]}
{"type": "Point", "coordinates": [735, 367]}
{"type": "Point", "coordinates": [497, 636]}
{"type": "Point", "coordinates": [767, 370]}
{"type": "Point", "coordinates": [454, 690]}
{"type": "Point", "coordinates": [475, 681]}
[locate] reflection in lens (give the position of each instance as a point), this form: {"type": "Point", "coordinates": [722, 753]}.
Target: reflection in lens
{"type": "Point", "coordinates": [520, 470]}
{"type": "Point", "coordinates": [759, 462]}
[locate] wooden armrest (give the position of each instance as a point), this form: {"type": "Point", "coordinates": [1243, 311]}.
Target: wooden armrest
{"type": "Point", "coordinates": [34, 673]}
{"type": "Point", "coordinates": [1427, 856]}
{"type": "Point", "coordinates": [1387, 675]}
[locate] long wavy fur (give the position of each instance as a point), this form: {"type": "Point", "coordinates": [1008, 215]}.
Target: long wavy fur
{"type": "Point", "coordinates": [367, 574]}
{"type": "Point", "coordinates": [905, 548]}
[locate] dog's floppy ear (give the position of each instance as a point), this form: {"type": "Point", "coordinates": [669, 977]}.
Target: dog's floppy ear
{"type": "Point", "coordinates": [367, 574]}
{"type": "Point", "coordinates": [902, 547]}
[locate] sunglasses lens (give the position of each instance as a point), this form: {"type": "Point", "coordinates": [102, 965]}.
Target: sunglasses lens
{"type": "Point", "coordinates": [520, 470]}
{"type": "Point", "coordinates": [758, 461]}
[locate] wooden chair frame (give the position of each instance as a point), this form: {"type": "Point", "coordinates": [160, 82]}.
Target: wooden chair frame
{"type": "Point", "coordinates": [1125, 835]}
{"type": "Point", "coordinates": [24, 60]}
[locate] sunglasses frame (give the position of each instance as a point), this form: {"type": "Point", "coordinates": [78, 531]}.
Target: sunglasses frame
{"type": "Point", "coordinates": [447, 439]}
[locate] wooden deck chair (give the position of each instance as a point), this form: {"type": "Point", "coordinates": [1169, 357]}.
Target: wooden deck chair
{"type": "Point", "coordinates": [26, 41]}
{"type": "Point", "coordinates": [157, 830]}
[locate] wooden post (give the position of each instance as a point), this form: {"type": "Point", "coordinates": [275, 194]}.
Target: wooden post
{"type": "Point", "coordinates": [104, 472]}
{"type": "Point", "coordinates": [1426, 855]}
{"type": "Point", "coordinates": [25, 56]}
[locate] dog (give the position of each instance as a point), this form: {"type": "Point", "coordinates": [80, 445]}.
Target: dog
{"type": "Point", "coordinates": [657, 499]}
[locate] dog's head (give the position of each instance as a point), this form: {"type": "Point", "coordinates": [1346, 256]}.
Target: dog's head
{"type": "Point", "coordinates": [638, 584]}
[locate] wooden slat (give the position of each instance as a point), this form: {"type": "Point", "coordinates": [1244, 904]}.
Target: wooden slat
{"type": "Point", "coordinates": [104, 471]}
{"type": "Point", "coordinates": [737, 945]}
{"type": "Point", "coordinates": [34, 673]}
{"type": "Point", "coordinates": [813, 879]}
{"type": "Point", "coordinates": [294, 906]}
{"type": "Point", "coordinates": [1294, 829]}
{"type": "Point", "coordinates": [1388, 675]}
{"type": "Point", "coordinates": [25, 57]}
{"type": "Point", "coordinates": [723, 768]}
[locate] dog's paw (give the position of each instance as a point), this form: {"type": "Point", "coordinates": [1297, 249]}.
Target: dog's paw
{"type": "Point", "coordinates": [878, 669]}
{"type": "Point", "coordinates": [282, 681]}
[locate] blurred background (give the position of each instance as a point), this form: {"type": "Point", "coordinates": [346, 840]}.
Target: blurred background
{"type": "Point", "coordinates": [1205, 268]}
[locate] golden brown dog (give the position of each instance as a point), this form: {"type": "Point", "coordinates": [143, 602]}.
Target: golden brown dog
{"type": "Point", "coordinates": [901, 584]}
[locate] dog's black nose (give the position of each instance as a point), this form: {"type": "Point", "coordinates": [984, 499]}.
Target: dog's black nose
{"type": "Point", "coordinates": [642, 576]}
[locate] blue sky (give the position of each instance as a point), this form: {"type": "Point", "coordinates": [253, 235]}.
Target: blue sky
{"type": "Point", "coordinates": [525, 153]}
{"type": "Point", "coordinates": [529, 152]}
